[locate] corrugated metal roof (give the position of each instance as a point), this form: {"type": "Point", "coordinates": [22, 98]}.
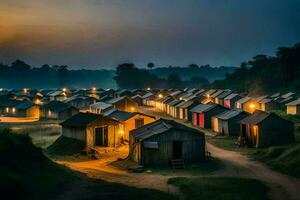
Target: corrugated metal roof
{"type": "Point", "coordinates": [287, 95]}
{"type": "Point", "coordinates": [121, 115]}
{"type": "Point", "coordinates": [231, 96]}
{"type": "Point", "coordinates": [115, 100]}
{"type": "Point", "coordinates": [25, 104]}
{"type": "Point", "coordinates": [257, 117]}
{"type": "Point", "coordinates": [100, 105]}
{"type": "Point", "coordinates": [56, 106]}
{"type": "Point", "coordinates": [244, 100]}
{"type": "Point", "coordinates": [202, 108]}
{"type": "Point", "coordinates": [81, 120]}
{"type": "Point", "coordinates": [224, 94]}
{"type": "Point", "coordinates": [294, 103]}
{"type": "Point", "coordinates": [158, 127]}
{"type": "Point", "coordinates": [217, 93]}
{"type": "Point", "coordinates": [266, 100]}
{"type": "Point", "coordinates": [228, 114]}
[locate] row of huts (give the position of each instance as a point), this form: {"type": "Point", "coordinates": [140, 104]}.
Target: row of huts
{"type": "Point", "coordinates": [228, 113]}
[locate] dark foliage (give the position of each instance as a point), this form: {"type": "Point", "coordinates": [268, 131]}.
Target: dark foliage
{"type": "Point", "coordinates": [264, 74]}
{"type": "Point", "coordinates": [20, 75]}
{"type": "Point", "coordinates": [130, 77]}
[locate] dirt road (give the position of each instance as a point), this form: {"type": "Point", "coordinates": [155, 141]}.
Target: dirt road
{"type": "Point", "coordinates": [238, 165]}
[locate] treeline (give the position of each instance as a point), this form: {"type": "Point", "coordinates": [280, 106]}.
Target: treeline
{"type": "Point", "coordinates": [129, 76]}
{"type": "Point", "coordinates": [20, 75]}
{"type": "Point", "coordinates": [266, 74]}
{"type": "Point", "coordinates": [210, 73]}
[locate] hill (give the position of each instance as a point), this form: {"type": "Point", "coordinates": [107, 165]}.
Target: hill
{"type": "Point", "coordinates": [266, 74]}
{"type": "Point", "coordinates": [24, 171]}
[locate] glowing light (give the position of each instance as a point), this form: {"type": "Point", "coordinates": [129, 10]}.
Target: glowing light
{"type": "Point", "coordinates": [13, 110]}
{"type": "Point", "coordinates": [160, 96]}
{"type": "Point", "coordinates": [121, 132]}
{"type": "Point", "coordinates": [94, 89]}
{"type": "Point", "coordinates": [7, 110]}
{"type": "Point", "coordinates": [49, 113]}
{"type": "Point", "coordinates": [37, 101]}
{"type": "Point", "coordinates": [132, 108]}
{"type": "Point", "coordinates": [64, 89]}
{"type": "Point", "coordinates": [25, 90]}
{"type": "Point", "coordinates": [148, 89]}
{"type": "Point", "coordinates": [207, 95]}
{"type": "Point", "coordinates": [252, 105]}
{"type": "Point", "coordinates": [180, 98]}
{"type": "Point", "coordinates": [1, 89]}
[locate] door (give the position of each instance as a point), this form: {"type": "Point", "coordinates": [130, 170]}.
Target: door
{"type": "Point", "coordinates": [177, 149]}
{"type": "Point", "coordinates": [139, 123]}
{"type": "Point", "coordinates": [101, 136]}
{"type": "Point", "coordinates": [201, 120]}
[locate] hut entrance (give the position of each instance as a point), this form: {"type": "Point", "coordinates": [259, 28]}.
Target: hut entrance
{"type": "Point", "coordinates": [177, 149]}
{"type": "Point", "coordinates": [101, 136]}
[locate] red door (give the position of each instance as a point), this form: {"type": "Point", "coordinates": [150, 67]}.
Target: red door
{"type": "Point", "coordinates": [195, 119]}
{"type": "Point", "coordinates": [201, 120]}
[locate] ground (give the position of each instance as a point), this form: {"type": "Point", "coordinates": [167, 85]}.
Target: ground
{"type": "Point", "coordinates": [113, 167]}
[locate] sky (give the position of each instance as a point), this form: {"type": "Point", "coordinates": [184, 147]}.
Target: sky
{"type": "Point", "coordinates": [97, 34]}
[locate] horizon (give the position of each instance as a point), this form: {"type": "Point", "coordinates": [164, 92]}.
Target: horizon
{"type": "Point", "coordinates": [100, 34]}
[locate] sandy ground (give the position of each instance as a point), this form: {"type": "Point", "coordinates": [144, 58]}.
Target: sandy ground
{"type": "Point", "coordinates": [17, 119]}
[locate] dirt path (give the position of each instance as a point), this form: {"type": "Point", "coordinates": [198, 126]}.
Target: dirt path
{"type": "Point", "coordinates": [238, 165]}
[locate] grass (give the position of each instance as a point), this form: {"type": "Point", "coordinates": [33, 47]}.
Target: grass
{"type": "Point", "coordinates": [227, 143]}
{"type": "Point", "coordinates": [24, 171]}
{"type": "Point", "coordinates": [220, 188]}
{"type": "Point", "coordinates": [64, 146]}
{"type": "Point", "coordinates": [285, 158]}
{"type": "Point", "coordinates": [206, 167]}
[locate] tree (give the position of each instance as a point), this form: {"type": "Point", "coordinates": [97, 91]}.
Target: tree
{"type": "Point", "coordinates": [150, 65]}
{"type": "Point", "coordinates": [174, 81]}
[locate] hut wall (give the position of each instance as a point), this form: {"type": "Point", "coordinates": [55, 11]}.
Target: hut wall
{"type": "Point", "coordinates": [193, 148]}
{"type": "Point", "coordinates": [76, 133]}
{"type": "Point", "coordinates": [275, 131]}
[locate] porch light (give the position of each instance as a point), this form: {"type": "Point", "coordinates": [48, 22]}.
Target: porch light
{"type": "Point", "coordinates": [160, 96]}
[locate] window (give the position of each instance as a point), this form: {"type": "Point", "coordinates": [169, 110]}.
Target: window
{"type": "Point", "coordinates": [139, 123]}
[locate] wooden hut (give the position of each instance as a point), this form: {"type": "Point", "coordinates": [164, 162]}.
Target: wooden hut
{"type": "Point", "coordinates": [100, 107]}
{"type": "Point", "coordinates": [262, 129]}
{"type": "Point", "coordinates": [57, 110]}
{"type": "Point", "coordinates": [183, 110]}
{"type": "Point", "coordinates": [124, 104]}
{"type": "Point", "coordinates": [293, 108]}
{"type": "Point", "coordinates": [202, 113]}
{"type": "Point", "coordinates": [220, 98]}
{"type": "Point", "coordinates": [230, 100]}
{"type": "Point", "coordinates": [269, 105]}
{"type": "Point", "coordinates": [163, 142]}
{"type": "Point", "coordinates": [129, 121]}
{"type": "Point", "coordinates": [227, 123]}
{"type": "Point", "coordinates": [138, 99]}
{"type": "Point", "coordinates": [93, 129]}
{"type": "Point", "coordinates": [250, 106]}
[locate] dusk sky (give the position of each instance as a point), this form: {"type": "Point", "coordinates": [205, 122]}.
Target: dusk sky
{"type": "Point", "coordinates": [103, 33]}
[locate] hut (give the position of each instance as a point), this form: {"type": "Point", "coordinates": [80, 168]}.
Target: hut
{"type": "Point", "coordinates": [202, 113]}
{"type": "Point", "coordinates": [81, 102]}
{"type": "Point", "coordinates": [230, 100]}
{"type": "Point", "coordinates": [250, 106]}
{"type": "Point", "coordinates": [57, 110]}
{"type": "Point", "coordinates": [220, 98]}
{"type": "Point", "coordinates": [183, 109]}
{"type": "Point", "coordinates": [93, 129]}
{"type": "Point", "coordinates": [227, 123]}
{"type": "Point", "coordinates": [138, 99]}
{"type": "Point", "coordinates": [293, 108]}
{"type": "Point", "coordinates": [164, 142]}
{"type": "Point", "coordinates": [262, 129]}
{"type": "Point", "coordinates": [268, 105]}
{"type": "Point", "coordinates": [129, 121]}
{"type": "Point", "coordinates": [100, 107]}
{"type": "Point", "coordinates": [124, 104]}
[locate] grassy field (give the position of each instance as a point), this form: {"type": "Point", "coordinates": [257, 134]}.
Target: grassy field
{"type": "Point", "coordinates": [25, 173]}
{"type": "Point", "coordinates": [220, 188]}
{"type": "Point", "coordinates": [64, 146]}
